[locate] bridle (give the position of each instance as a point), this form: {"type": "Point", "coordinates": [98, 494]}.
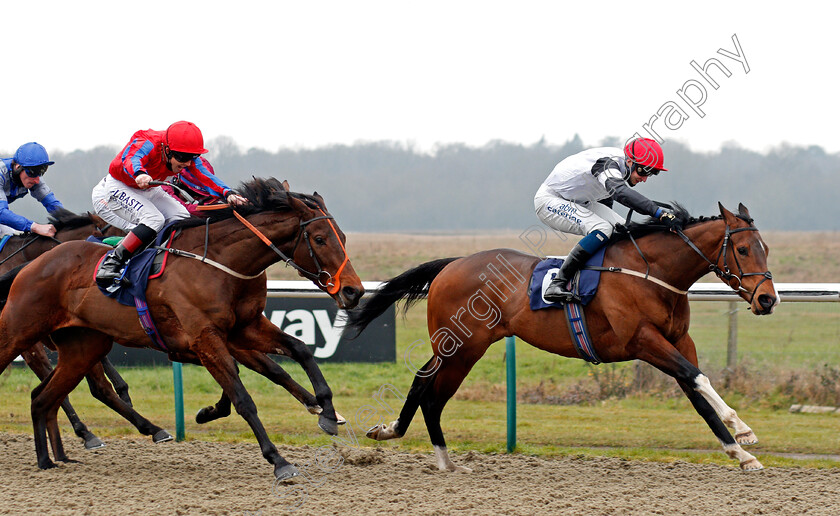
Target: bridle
{"type": "Point", "coordinates": [725, 273]}
{"type": "Point", "coordinates": [330, 282]}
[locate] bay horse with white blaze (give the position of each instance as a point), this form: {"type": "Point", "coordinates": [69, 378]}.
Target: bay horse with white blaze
{"type": "Point", "coordinates": [208, 305]}
{"type": "Point", "coordinates": [629, 318]}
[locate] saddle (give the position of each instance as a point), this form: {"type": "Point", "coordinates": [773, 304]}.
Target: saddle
{"type": "Point", "coordinates": [142, 267]}
{"type": "Point", "coordinates": [584, 285]}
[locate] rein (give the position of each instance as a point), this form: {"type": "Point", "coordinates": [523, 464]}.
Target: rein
{"type": "Point", "coordinates": [331, 283]}
{"type": "Point", "coordinates": [25, 245]}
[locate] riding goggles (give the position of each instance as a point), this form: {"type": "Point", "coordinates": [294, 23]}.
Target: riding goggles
{"type": "Point", "coordinates": [184, 157]}
{"type": "Point", "coordinates": [36, 171]}
{"type": "Point", "coordinates": [646, 171]}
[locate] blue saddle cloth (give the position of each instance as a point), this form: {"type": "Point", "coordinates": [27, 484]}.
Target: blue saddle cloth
{"type": "Point", "coordinates": [137, 272]}
{"type": "Point", "coordinates": [585, 283]}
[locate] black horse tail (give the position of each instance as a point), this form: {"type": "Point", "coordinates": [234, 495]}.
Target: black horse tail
{"type": "Point", "coordinates": [6, 283]}
{"type": "Point", "coordinates": [412, 285]}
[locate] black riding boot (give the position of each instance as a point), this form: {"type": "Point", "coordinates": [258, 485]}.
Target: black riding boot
{"type": "Point", "coordinates": [135, 241]}
{"type": "Point", "coordinates": [558, 291]}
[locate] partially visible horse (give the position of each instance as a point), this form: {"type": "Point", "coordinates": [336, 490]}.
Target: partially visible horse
{"type": "Point", "coordinates": [479, 299]}
{"type": "Point", "coordinates": [208, 305]}
{"type": "Point", "coordinates": [20, 249]}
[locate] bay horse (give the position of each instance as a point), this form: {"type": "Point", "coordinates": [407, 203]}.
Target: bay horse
{"type": "Point", "coordinates": [208, 306]}
{"type": "Point", "coordinates": [20, 249]}
{"type": "Point", "coordinates": [644, 318]}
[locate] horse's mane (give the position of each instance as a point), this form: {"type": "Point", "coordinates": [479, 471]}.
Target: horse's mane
{"type": "Point", "coordinates": [65, 219]}
{"type": "Point", "coordinates": [264, 195]}
{"type": "Point", "coordinates": [654, 225]}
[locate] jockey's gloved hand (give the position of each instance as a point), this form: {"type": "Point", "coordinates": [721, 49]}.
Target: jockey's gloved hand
{"type": "Point", "coordinates": [234, 198]}
{"type": "Point", "coordinates": [669, 219]}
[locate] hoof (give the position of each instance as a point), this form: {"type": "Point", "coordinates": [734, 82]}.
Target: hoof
{"type": "Point", "coordinates": [285, 472]}
{"type": "Point", "coordinates": [94, 443]}
{"type": "Point", "coordinates": [68, 460]}
{"type": "Point", "coordinates": [161, 437]}
{"type": "Point", "coordinates": [328, 425]}
{"type": "Point", "coordinates": [383, 432]}
{"type": "Point", "coordinates": [461, 469]}
{"type": "Point", "coordinates": [204, 415]}
{"type": "Point", "coordinates": [746, 438]}
{"type": "Point", "coordinates": [375, 433]}
{"type": "Point", "coordinates": [47, 464]}
{"type": "Point", "coordinates": [316, 409]}
{"type": "Point", "coordinates": [751, 465]}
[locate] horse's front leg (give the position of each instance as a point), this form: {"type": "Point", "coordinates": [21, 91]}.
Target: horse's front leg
{"type": "Point", "coordinates": [657, 351]}
{"type": "Point", "coordinates": [119, 383]}
{"type": "Point", "coordinates": [264, 365]}
{"type": "Point", "coordinates": [265, 337]}
{"type": "Point", "coordinates": [212, 351]}
{"type": "Point", "coordinates": [743, 434]}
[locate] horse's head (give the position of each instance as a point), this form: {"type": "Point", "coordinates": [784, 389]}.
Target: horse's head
{"type": "Point", "coordinates": [742, 261]}
{"type": "Point", "coordinates": [320, 248]}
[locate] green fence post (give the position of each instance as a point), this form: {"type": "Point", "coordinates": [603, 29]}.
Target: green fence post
{"type": "Point", "coordinates": [510, 360]}
{"type": "Point", "coordinates": [178, 379]}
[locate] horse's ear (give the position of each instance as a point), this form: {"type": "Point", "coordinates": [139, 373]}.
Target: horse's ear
{"type": "Point", "coordinates": [726, 214]}
{"type": "Point", "coordinates": [318, 196]}
{"type": "Point", "coordinates": [298, 205]}
{"type": "Point", "coordinates": [742, 210]}
{"type": "Point", "coordinates": [285, 185]}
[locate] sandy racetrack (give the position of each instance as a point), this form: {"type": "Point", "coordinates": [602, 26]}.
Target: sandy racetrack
{"type": "Point", "coordinates": [137, 477]}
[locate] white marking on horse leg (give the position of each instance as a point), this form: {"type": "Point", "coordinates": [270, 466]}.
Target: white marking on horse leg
{"type": "Point", "coordinates": [746, 460]}
{"type": "Point", "coordinates": [743, 434]}
{"type": "Point", "coordinates": [384, 432]}
{"type": "Point", "coordinates": [444, 464]}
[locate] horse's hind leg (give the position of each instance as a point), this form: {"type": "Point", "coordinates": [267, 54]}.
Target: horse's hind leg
{"type": "Point", "coordinates": [120, 385]}
{"type": "Point", "coordinates": [449, 376]}
{"type": "Point", "coordinates": [703, 397]}
{"type": "Point", "coordinates": [399, 427]}
{"type": "Point", "coordinates": [37, 360]}
{"type": "Point", "coordinates": [102, 390]}
{"type": "Point", "coordinates": [85, 348]}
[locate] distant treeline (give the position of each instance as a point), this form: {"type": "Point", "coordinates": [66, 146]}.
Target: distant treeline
{"type": "Point", "coordinates": [385, 186]}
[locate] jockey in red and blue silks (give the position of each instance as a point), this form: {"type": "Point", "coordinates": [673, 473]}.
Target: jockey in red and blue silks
{"type": "Point", "coordinates": [124, 197]}
{"type": "Point", "coordinates": [19, 176]}
{"type": "Point", "coordinates": [144, 155]}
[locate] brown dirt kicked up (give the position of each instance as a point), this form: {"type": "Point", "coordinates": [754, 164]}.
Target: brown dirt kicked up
{"type": "Point", "coordinates": [138, 477]}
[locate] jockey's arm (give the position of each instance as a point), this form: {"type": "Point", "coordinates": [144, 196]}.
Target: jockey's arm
{"type": "Point", "coordinates": [634, 200]}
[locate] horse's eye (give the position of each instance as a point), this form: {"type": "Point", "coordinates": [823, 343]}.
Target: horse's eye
{"type": "Point", "coordinates": [743, 251]}
{"type": "Point", "coordinates": [320, 240]}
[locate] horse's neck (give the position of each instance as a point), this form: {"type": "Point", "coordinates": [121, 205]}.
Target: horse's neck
{"type": "Point", "coordinates": [232, 244]}
{"type": "Point", "coordinates": [676, 262]}
{"type": "Point", "coordinates": [79, 233]}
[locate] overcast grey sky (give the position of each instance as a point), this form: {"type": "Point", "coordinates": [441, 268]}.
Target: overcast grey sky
{"type": "Point", "coordinates": [273, 74]}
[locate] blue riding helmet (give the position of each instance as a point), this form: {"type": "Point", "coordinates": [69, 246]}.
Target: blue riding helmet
{"type": "Point", "coordinates": [32, 154]}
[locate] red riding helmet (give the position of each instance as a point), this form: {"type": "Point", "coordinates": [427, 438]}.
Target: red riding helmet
{"type": "Point", "coordinates": [645, 151]}
{"type": "Point", "coordinates": [185, 137]}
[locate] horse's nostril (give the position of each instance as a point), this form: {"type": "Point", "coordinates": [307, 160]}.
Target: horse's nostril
{"type": "Point", "coordinates": [766, 301]}
{"type": "Point", "coordinates": [352, 294]}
